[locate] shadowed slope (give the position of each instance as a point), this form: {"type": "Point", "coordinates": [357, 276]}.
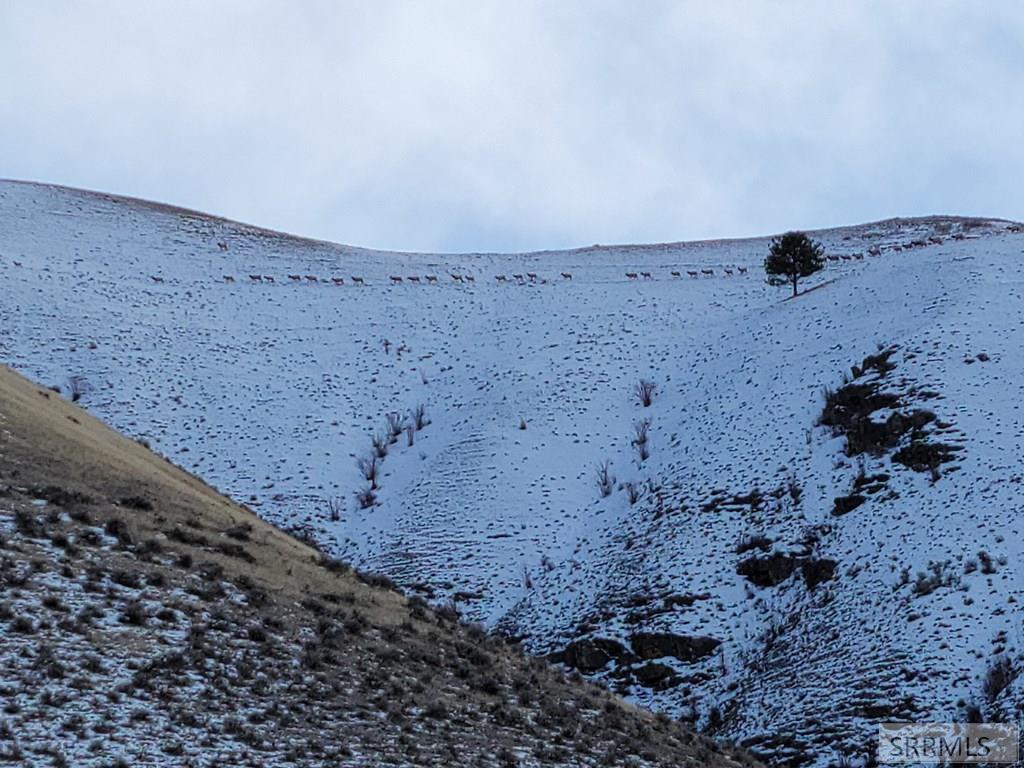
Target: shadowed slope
{"type": "Point", "coordinates": [146, 617]}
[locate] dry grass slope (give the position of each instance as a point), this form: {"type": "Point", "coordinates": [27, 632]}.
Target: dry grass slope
{"type": "Point", "coordinates": [146, 619]}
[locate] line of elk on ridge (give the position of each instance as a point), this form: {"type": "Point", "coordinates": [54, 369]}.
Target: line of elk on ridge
{"type": "Point", "coordinates": [530, 277]}
{"type": "Point", "coordinates": [533, 278]}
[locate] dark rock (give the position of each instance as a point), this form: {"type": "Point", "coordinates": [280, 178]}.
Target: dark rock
{"type": "Point", "coordinates": [592, 654]}
{"type": "Point", "coordinates": [922, 456]}
{"type": "Point", "coordinates": [817, 571]}
{"type": "Point", "coordinates": [843, 504]}
{"type": "Point", "coordinates": [853, 403]}
{"type": "Point", "coordinates": [866, 436]}
{"type": "Point", "coordinates": [656, 645]}
{"type": "Point", "coordinates": [766, 571]}
{"type": "Point", "coordinates": [653, 675]}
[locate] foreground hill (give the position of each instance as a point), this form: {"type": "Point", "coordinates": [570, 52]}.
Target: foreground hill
{"type": "Point", "coordinates": [812, 527]}
{"type": "Point", "coordinates": [148, 620]}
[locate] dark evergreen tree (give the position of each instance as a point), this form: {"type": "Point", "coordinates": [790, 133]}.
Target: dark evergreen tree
{"type": "Point", "coordinates": [792, 256]}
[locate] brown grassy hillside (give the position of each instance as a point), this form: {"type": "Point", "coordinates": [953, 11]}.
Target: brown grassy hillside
{"type": "Point", "coordinates": [147, 620]}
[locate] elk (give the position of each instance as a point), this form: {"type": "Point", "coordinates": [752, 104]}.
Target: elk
{"type": "Point", "coordinates": [844, 256]}
{"type": "Point", "coordinates": [631, 275]}
{"type": "Point", "coordinates": [742, 270]}
{"type": "Point", "coordinates": [156, 279]}
{"type": "Point", "coordinates": [728, 272]}
{"type": "Point", "coordinates": [228, 279]}
{"type": "Point", "coordinates": [958, 236]}
{"type": "Point", "coordinates": [312, 279]}
{"type": "Point", "coordinates": [256, 278]}
{"type": "Point", "coordinates": [395, 279]}
{"type": "Point", "coordinates": [470, 279]}
{"type": "Point", "coordinates": [676, 274]}
{"type": "Point", "coordinates": [501, 278]}
{"type": "Point", "coordinates": [222, 245]}
{"type": "Point", "coordinates": [646, 275]}
{"type": "Point", "coordinates": [17, 263]}
{"type": "Point", "coordinates": [338, 280]}
{"type": "Point", "coordinates": [457, 278]}
{"type": "Point", "coordinates": [431, 278]}
{"type": "Point", "coordinates": [518, 278]}
{"type": "Point", "coordinates": [858, 256]}
{"type": "Point", "coordinates": [896, 248]}
{"type": "Point", "coordinates": [295, 278]}
{"type": "Point", "coordinates": [874, 250]}
{"type": "Point", "coordinates": [268, 278]}
{"type": "Point", "coordinates": [935, 240]}
{"type": "Point", "coordinates": [691, 272]}
{"type": "Point", "coordinates": [413, 278]}
{"type": "Point", "coordinates": [567, 275]}
{"type": "Point", "coordinates": [708, 272]}
{"type": "Point", "coordinates": [531, 276]}
{"type": "Point", "coordinates": [358, 281]}
{"type": "Point", "coordinates": [832, 257]}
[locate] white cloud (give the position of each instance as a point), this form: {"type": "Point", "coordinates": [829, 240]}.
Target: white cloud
{"type": "Point", "coordinates": [497, 125]}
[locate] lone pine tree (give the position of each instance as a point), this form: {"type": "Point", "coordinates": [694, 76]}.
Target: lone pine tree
{"type": "Point", "coordinates": [792, 256]}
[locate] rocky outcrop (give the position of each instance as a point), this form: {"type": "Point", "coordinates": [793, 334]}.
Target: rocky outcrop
{"type": "Point", "coordinates": [591, 654]}
{"type": "Point", "coordinates": [654, 675]}
{"type": "Point", "coordinates": [767, 570]}
{"type": "Point", "coordinates": [841, 505]}
{"type": "Point", "coordinates": [816, 571]}
{"type": "Point", "coordinates": [657, 645]}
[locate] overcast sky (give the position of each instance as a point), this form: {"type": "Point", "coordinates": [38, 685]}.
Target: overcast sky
{"type": "Point", "coordinates": [476, 125]}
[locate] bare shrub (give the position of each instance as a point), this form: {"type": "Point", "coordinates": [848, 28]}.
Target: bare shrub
{"type": "Point", "coordinates": [366, 498]}
{"type": "Point", "coordinates": [334, 507]}
{"type": "Point", "coordinates": [605, 480]}
{"type": "Point", "coordinates": [380, 446]}
{"type": "Point", "coordinates": [28, 524]}
{"type": "Point", "coordinates": [633, 492]}
{"type": "Point", "coordinates": [395, 427]}
{"type": "Point", "coordinates": [645, 392]}
{"type": "Point", "coordinates": [938, 575]}
{"type": "Point", "coordinates": [410, 435]}
{"type": "Point", "coordinates": [1001, 673]}
{"type": "Point", "coordinates": [134, 613]}
{"type": "Point", "coordinates": [77, 387]}
{"type": "Point", "coordinates": [795, 491]}
{"type": "Point", "coordinates": [369, 468]}
{"type": "Point", "coordinates": [419, 417]}
{"type": "Point", "coordinates": [640, 441]}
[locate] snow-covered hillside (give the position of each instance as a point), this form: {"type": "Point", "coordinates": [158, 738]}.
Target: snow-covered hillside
{"type": "Point", "coordinates": [784, 592]}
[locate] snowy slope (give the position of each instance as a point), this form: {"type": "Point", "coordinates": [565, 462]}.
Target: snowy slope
{"type": "Point", "coordinates": [272, 391]}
